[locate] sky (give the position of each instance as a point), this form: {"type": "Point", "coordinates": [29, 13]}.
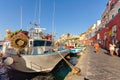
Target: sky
{"type": "Point", "coordinates": [58, 16]}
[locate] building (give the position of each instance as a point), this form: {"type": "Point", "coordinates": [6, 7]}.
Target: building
{"type": "Point", "coordinates": [110, 22]}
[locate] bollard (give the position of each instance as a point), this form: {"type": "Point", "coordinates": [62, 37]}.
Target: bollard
{"type": "Point", "coordinates": [76, 70]}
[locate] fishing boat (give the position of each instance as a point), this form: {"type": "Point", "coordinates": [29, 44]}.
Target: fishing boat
{"type": "Point", "coordinates": [33, 53]}
{"type": "Point", "coordinates": [76, 50]}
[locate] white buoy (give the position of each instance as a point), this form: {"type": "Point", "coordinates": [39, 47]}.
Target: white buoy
{"type": "Point", "coordinates": [8, 61]}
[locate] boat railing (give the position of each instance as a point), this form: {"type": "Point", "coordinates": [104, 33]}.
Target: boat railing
{"type": "Point", "coordinates": [35, 66]}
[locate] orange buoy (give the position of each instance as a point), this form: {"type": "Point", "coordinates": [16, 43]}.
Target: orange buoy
{"type": "Point", "coordinates": [68, 57]}
{"type": "Point", "coordinates": [8, 31]}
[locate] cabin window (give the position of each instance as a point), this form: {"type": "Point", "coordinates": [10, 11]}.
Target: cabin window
{"type": "Point", "coordinates": [1, 46]}
{"type": "Point", "coordinates": [48, 43]}
{"type": "Point", "coordinates": [30, 42]}
{"type": "Point", "coordinates": [38, 43]}
{"type": "Point", "coordinates": [119, 10]}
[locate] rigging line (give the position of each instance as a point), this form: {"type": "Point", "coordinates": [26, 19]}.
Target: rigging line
{"type": "Point", "coordinates": [53, 16]}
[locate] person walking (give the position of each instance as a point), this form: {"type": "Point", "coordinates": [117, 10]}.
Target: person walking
{"type": "Point", "coordinates": [117, 46]}
{"type": "Point", "coordinates": [112, 49]}
{"type": "Point", "coordinates": [96, 46]}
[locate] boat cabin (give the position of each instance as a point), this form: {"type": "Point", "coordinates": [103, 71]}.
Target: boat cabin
{"type": "Point", "coordinates": [39, 46]}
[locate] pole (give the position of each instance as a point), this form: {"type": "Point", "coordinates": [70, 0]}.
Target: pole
{"type": "Point", "coordinates": [69, 64]}
{"type": "Point", "coordinates": [74, 69]}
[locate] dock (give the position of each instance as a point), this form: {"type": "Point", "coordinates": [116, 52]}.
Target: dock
{"type": "Point", "coordinates": [96, 66]}
{"type": "Point", "coordinates": [72, 76]}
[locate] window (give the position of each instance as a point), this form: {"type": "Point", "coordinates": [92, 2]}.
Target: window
{"type": "Point", "coordinates": [112, 16]}
{"type": "Point", "coordinates": [48, 43]}
{"type": "Point", "coordinates": [112, 6]}
{"type": "Point", "coordinates": [31, 43]}
{"type": "Point", "coordinates": [39, 43]}
{"type": "Point", "coordinates": [119, 10]}
{"type": "Point", "coordinates": [1, 46]}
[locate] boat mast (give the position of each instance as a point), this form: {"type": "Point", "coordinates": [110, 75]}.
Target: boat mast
{"type": "Point", "coordinates": [53, 24]}
{"type": "Point", "coordinates": [39, 12]}
{"type": "Point", "coordinates": [36, 21]}
{"type": "Point", "coordinates": [20, 17]}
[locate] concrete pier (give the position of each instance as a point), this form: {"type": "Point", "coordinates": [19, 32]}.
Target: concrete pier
{"type": "Point", "coordinates": [96, 66]}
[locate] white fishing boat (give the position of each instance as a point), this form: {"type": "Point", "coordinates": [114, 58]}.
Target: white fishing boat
{"type": "Point", "coordinates": [31, 53]}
